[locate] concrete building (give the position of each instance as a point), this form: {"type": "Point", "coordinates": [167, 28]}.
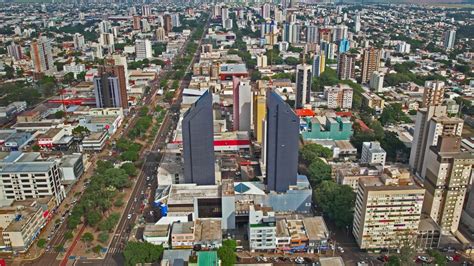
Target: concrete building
{"type": "Point", "coordinates": [42, 55]}
{"type": "Point", "coordinates": [14, 50]}
{"type": "Point", "coordinates": [143, 49]}
{"type": "Point", "coordinates": [262, 61]}
{"type": "Point", "coordinates": [95, 141]}
{"type": "Point", "coordinates": [281, 144]}
{"type": "Point", "coordinates": [312, 34]}
{"type": "Point", "coordinates": [346, 66]}
{"type": "Point", "coordinates": [339, 96]}
{"type": "Point", "coordinates": [433, 94]}
{"type": "Point", "coordinates": [372, 153]}
{"type": "Point", "coordinates": [110, 87]}
{"type": "Point", "coordinates": [324, 127]}
{"type": "Point", "coordinates": [449, 38]}
{"type": "Point", "coordinates": [420, 135]}
{"type": "Point", "coordinates": [157, 234]}
{"type": "Point", "coordinates": [242, 104]}
{"type": "Point", "coordinates": [303, 85]}
{"type": "Point", "coordinates": [167, 23]}
{"type": "Point", "coordinates": [370, 63]}
{"type": "Point", "coordinates": [198, 139]}
{"type": "Point", "coordinates": [319, 64]}
{"type": "Point", "coordinates": [373, 101]}
{"type": "Point", "coordinates": [259, 113]}
{"type": "Point", "coordinates": [403, 47]}
{"type": "Point", "coordinates": [28, 176]}
{"type": "Point", "coordinates": [160, 34]}
{"type": "Point", "coordinates": [265, 11]}
{"type": "Point", "coordinates": [376, 81]}
{"type": "Point", "coordinates": [387, 211]}
{"type": "Point", "coordinates": [447, 177]}
{"type": "Point", "coordinates": [262, 228]}
{"type": "Point", "coordinates": [21, 222]}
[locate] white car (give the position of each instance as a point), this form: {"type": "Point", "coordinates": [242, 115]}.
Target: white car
{"type": "Point", "coordinates": [129, 216]}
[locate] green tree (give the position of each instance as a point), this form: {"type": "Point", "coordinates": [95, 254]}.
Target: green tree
{"type": "Point", "coordinates": [93, 217]}
{"type": "Point", "coordinates": [68, 78]}
{"type": "Point", "coordinates": [41, 243]}
{"type": "Point", "coordinates": [87, 237]}
{"type": "Point", "coordinates": [59, 114]}
{"type": "Point", "coordinates": [337, 201]}
{"type": "Point", "coordinates": [59, 248]}
{"type": "Point", "coordinates": [97, 249]}
{"type": "Point", "coordinates": [129, 156]}
{"type": "Point", "coordinates": [68, 235]}
{"type": "Point", "coordinates": [103, 237]}
{"type": "Point", "coordinates": [80, 131]}
{"type": "Point", "coordinates": [393, 114]}
{"type": "Point", "coordinates": [439, 258]}
{"type": "Point", "coordinates": [129, 168]}
{"type": "Point", "coordinates": [312, 151]}
{"type": "Point", "coordinates": [137, 252]}
{"type": "Point", "coordinates": [35, 148]}
{"type": "Point", "coordinates": [378, 130]}
{"type": "Point", "coordinates": [319, 171]}
{"type": "Point", "coordinates": [226, 253]}
{"type": "Point", "coordinates": [393, 261]}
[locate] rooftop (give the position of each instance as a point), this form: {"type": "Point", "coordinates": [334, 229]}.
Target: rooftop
{"type": "Point", "coordinates": [156, 230]}
{"type": "Point", "coordinates": [315, 228]}
{"type": "Point", "coordinates": [207, 230]}
{"type": "Point", "coordinates": [186, 193]}
{"type": "Point", "coordinates": [183, 228]}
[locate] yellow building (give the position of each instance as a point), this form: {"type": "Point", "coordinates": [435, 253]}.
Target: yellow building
{"type": "Point", "coordinates": [259, 113]}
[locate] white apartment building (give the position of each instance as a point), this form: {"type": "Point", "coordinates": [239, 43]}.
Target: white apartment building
{"type": "Point", "coordinates": [448, 175]}
{"type": "Point", "coordinates": [22, 221]}
{"type": "Point", "coordinates": [339, 96]}
{"type": "Point", "coordinates": [376, 81]}
{"type": "Point", "coordinates": [387, 211]}
{"type": "Point", "coordinates": [143, 49]}
{"type": "Point", "coordinates": [26, 176]}
{"type": "Point", "coordinates": [262, 61]}
{"type": "Point", "coordinates": [372, 153]}
{"type": "Point", "coordinates": [262, 228]}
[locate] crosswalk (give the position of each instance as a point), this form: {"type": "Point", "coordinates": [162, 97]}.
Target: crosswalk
{"type": "Point", "coordinates": [114, 251]}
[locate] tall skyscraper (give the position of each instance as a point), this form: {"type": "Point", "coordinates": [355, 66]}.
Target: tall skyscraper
{"type": "Point", "coordinates": [339, 32]}
{"type": "Point", "coordinates": [265, 11]}
{"type": "Point", "coordinates": [357, 23]}
{"type": "Point", "coordinates": [14, 50]}
{"type": "Point", "coordinates": [143, 49]}
{"type": "Point", "coordinates": [370, 63]}
{"type": "Point", "coordinates": [42, 55]}
{"type": "Point", "coordinates": [420, 135]}
{"type": "Point", "coordinates": [319, 64]}
{"type": "Point", "coordinates": [346, 66]}
{"type": "Point", "coordinates": [446, 181]}
{"type": "Point", "coordinates": [312, 34]}
{"type": "Point", "coordinates": [242, 100]}
{"type": "Point", "coordinates": [198, 142]}
{"type": "Point", "coordinates": [291, 33]}
{"type": "Point", "coordinates": [167, 23]}
{"type": "Point", "coordinates": [303, 85]}
{"type": "Point", "coordinates": [259, 113]}
{"type": "Point", "coordinates": [394, 197]}
{"type": "Point", "coordinates": [136, 23]}
{"type": "Point", "coordinates": [449, 37]}
{"type": "Point", "coordinates": [376, 81]}
{"type": "Point", "coordinates": [433, 93]}
{"type": "Point", "coordinates": [160, 34]}
{"type": "Point", "coordinates": [110, 87]}
{"type": "Point", "coordinates": [104, 26]}
{"type": "Point", "coordinates": [281, 144]}
{"type": "Point", "coordinates": [146, 11]}
{"type": "Point", "coordinates": [344, 45]}
{"type": "Point", "coordinates": [79, 41]}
